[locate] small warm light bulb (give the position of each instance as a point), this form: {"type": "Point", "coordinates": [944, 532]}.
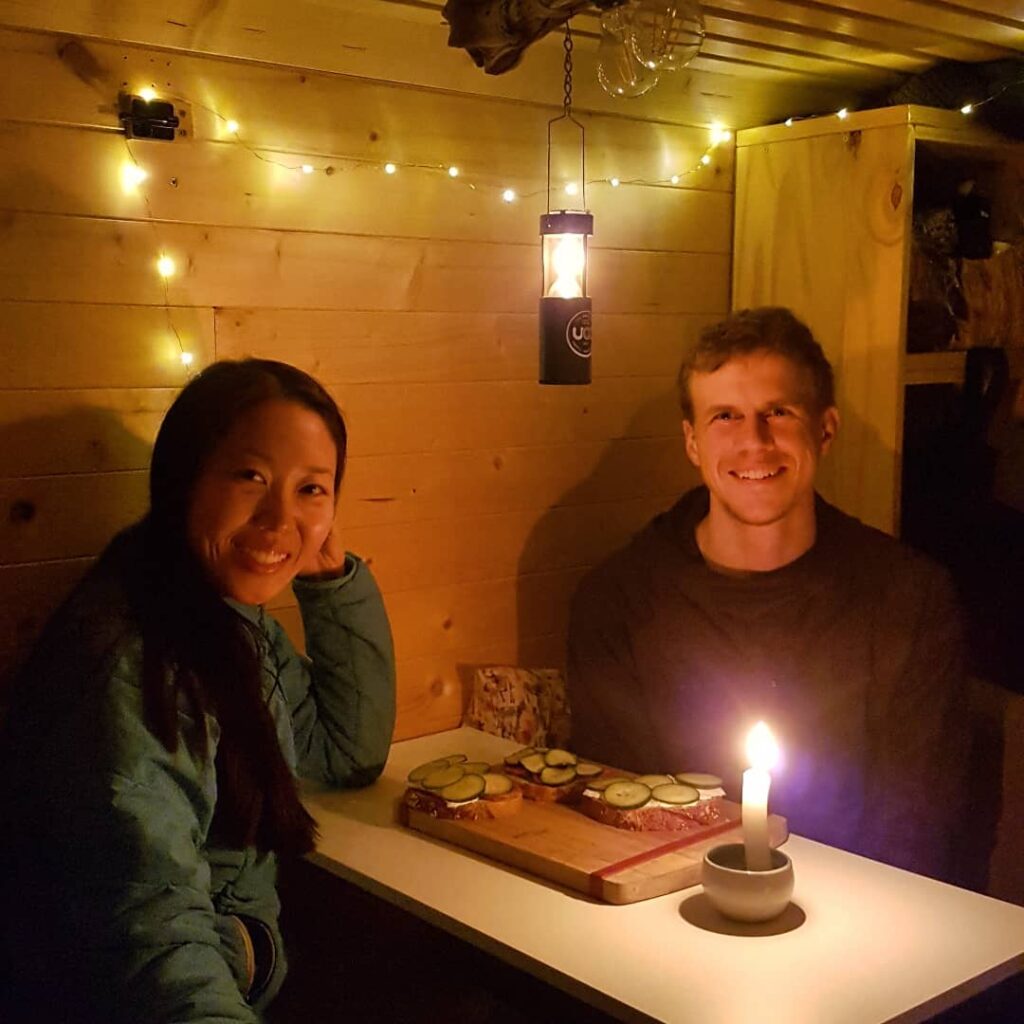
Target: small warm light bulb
{"type": "Point", "coordinates": [509, 195]}
{"type": "Point", "coordinates": [132, 175]}
{"type": "Point", "coordinates": [453, 172]}
{"type": "Point", "coordinates": [148, 94]}
{"type": "Point", "coordinates": [307, 168]}
{"type": "Point", "coordinates": [719, 134]}
{"type": "Point", "coordinates": [571, 188]}
{"type": "Point", "coordinates": [614, 182]}
{"type": "Point", "coordinates": [674, 179]}
{"type": "Point", "coordinates": [788, 122]}
{"type": "Point", "coordinates": [231, 127]}
{"type": "Point", "coordinates": [186, 358]}
{"type": "Point", "coordinates": [165, 266]}
{"type": "Point", "coordinates": [967, 108]}
{"type": "Point", "coordinates": [842, 114]}
{"type": "Point", "coordinates": [390, 168]}
{"type": "Point", "coordinates": [705, 159]}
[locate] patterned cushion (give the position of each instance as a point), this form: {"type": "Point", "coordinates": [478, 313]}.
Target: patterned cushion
{"type": "Point", "coordinates": [523, 704]}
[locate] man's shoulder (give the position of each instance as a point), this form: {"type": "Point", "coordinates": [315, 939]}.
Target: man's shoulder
{"type": "Point", "coordinates": [867, 553]}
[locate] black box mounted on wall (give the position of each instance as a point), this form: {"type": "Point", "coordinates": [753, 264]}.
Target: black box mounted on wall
{"type": "Point", "coordinates": [147, 119]}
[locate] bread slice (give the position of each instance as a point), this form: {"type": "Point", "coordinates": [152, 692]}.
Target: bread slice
{"type": "Point", "coordinates": [653, 817]}
{"type": "Point", "coordinates": [481, 809]}
{"type": "Point", "coordinates": [567, 793]}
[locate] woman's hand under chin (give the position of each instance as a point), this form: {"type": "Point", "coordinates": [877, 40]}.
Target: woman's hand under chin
{"type": "Point", "coordinates": [328, 562]}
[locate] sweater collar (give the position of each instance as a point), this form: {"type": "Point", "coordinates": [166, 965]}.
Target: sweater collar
{"type": "Point", "coordinates": [253, 612]}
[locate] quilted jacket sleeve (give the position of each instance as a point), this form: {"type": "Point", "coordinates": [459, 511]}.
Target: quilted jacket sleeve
{"type": "Point", "coordinates": [124, 842]}
{"type": "Point", "coordinates": [341, 698]}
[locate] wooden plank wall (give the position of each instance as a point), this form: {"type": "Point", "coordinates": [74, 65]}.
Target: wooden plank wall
{"type": "Point", "coordinates": [479, 497]}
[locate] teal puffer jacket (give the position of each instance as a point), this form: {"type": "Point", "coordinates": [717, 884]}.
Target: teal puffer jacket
{"type": "Point", "coordinates": [117, 904]}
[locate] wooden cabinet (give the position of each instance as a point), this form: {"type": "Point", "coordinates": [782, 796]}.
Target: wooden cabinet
{"type": "Point", "coordinates": [824, 225]}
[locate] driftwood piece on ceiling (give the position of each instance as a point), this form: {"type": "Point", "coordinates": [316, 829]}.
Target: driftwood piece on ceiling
{"type": "Point", "coordinates": [496, 33]}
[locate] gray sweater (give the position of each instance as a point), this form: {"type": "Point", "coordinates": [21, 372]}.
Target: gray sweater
{"type": "Point", "coordinates": [852, 653]}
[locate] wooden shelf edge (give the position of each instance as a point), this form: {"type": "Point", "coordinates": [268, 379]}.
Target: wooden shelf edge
{"type": "Point", "coordinates": [948, 367]}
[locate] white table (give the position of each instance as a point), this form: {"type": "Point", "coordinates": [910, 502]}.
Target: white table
{"type": "Point", "coordinates": [869, 943]}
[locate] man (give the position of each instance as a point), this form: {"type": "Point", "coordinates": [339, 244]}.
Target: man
{"type": "Point", "coordinates": [753, 598]}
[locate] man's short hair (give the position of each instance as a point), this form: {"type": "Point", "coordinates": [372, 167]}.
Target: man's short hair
{"type": "Point", "coordinates": [766, 329]}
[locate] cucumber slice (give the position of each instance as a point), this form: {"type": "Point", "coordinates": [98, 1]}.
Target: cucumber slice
{"type": "Point", "coordinates": [602, 784]}
{"type": "Point", "coordinates": [456, 758]}
{"type": "Point", "coordinates": [627, 795]}
{"type": "Point", "coordinates": [469, 787]}
{"type": "Point", "coordinates": [533, 763]}
{"type": "Point", "coordinates": [496, 784]}
{"type": "Point", "coordinates": [585, 770]}
{"type": "Point", "coordinates": [475, 767]}
{"type": "Point", "coordinates": [516, 758]}
{"type": "Point", "coordinates": [699, 780]}
{"type": "Point", "coordinates": [558, 758]}
{"type": "Point", "coordinates": [441, 777]}
{"type": "Point", "coordinates": [557, 775]}
{"type": "Point", "coordinates": [420, 772]}
{"type": "Point", "coordinates": [676, 793]}
{"type": "Point", "coordinates": [655, 780]}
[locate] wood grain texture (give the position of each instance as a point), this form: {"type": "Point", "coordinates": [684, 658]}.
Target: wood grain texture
{"type": "Point", "coordinates": [41, 261]}
{"type": "Point", "coordinates": [286, 115]}
{"type": "Point", "coordinates": [407, 45]}
{"type": "Point", "coordinates": [354, 347]}
{"type": "Point", "coordinates": [822, 224]}
{"type": "Point", "coordinates": [56, 345]}
{"type": "Point", "coordinates": [244, 191]}
{"type": "Point", "coordinates": [478, 497]}
{"type": "Point", "coordinates": [562, 845]}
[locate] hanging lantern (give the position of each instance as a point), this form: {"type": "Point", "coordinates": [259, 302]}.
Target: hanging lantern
{"type": "Point", "coordinates": [564, 304]}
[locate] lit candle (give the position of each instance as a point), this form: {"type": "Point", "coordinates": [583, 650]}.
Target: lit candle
{"type": "Point", "coordinates": [762, 752]}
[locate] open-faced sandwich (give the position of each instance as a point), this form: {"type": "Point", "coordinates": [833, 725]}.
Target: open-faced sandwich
{"type": "Point", "coordinates": [551, 775]}
{"type": "Point", "coordinates": [652, 803]}
{"type": "Point", "coordinates": [455, 787]}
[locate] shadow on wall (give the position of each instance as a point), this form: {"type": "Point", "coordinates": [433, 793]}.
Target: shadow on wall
{"type": "Point", "coordinates": [646, 469]}
{"type": "Point", "coordinates": [55, 520]}
{"type": "Point", "coordinates": [639, 474]}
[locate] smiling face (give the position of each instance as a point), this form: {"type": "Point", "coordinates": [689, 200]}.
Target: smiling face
{"type": "Point", "coordinates": [756, 438]}
{"type": "Point", "coordinates": [263, 504]}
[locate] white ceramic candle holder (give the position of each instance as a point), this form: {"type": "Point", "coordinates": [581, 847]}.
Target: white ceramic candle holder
{"type": "Point", "coordinates": [746, 895]}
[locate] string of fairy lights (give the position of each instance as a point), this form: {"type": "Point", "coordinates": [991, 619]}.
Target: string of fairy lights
{"type": "Point", "coordinates": [134, 175]}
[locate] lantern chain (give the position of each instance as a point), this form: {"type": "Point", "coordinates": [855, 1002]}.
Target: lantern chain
{"type": "Point", "coordinates": [567, 44]}
{"type": "Point", "coordinates": [566, 115]}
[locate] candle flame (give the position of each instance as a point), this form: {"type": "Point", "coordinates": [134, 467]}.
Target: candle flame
{"type": "Point", "coordinates": [569, 261]}
{"type": "Point", "coordinates": [762, 750]}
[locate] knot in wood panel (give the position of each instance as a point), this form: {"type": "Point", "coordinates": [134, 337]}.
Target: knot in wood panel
{"type": "Point", "coordinates": [22, 511]}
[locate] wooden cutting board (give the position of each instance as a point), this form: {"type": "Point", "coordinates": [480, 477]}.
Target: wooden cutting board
{"type": "Point", "coordinates": [565, 846]}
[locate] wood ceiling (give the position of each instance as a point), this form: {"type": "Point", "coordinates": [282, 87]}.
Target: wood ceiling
{"type": "Point", "coordinates": [810, 55]}
{"type": "Point", "coordinates": [762, 60]}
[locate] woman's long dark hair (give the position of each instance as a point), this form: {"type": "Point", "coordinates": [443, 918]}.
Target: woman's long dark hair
{"type": "Point", "coordinates": [197, 650]}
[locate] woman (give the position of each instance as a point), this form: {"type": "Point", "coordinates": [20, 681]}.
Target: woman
{"type": "Point", "coordinates": [148, 753]}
